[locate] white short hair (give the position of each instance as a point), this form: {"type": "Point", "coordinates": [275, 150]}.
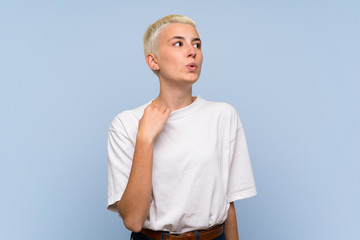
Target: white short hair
{"type": "Point", "coordinates": [150, 39]}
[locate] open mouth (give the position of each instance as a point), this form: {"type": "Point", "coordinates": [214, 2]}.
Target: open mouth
{"type": "Point", "coordinates": [191, 66]}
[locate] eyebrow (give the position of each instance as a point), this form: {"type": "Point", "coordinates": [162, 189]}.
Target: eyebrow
{"type": "Point", "coordinates": [182, 38]}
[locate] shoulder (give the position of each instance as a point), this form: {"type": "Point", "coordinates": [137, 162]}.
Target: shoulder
{"type": "Point", "coordinates": [225, 111]}
{"type": "Point", "coordinates": [127, 118]}
{"type": "Point", "coordinates": [223, 107]}
{"type": "Point", "coordinates": [220, 107]}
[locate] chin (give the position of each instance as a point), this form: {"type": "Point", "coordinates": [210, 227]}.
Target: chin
{"type": "Point", "coordinates": [192, 77]}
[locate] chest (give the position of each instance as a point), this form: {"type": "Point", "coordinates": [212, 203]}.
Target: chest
{"type": "Point", "coordinates": [188, 146]}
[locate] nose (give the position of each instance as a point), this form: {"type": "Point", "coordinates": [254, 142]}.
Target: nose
{"type": "Point", "coordinates": [191, 51]}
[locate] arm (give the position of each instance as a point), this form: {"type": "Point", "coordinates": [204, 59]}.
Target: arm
{"type": "Point", "coordinates": [134, 204]}
{"type": "Point", "coordinates": [231, 231]}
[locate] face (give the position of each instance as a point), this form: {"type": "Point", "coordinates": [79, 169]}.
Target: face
{"type": "Point", "coordinates": [179, 53]}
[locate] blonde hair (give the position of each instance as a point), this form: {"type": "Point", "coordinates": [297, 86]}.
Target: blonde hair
{"type": "Point", "coordinates": [150, 39]}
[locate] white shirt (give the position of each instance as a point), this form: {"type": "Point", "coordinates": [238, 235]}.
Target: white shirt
{"type": "Point", "coordinates": [200, 164]}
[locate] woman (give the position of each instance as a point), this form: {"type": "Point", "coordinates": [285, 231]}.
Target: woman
{"type": "Point", "coordinates": [177, 163]}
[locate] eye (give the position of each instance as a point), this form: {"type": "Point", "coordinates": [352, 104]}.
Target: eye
{"type": "Point", "coordinates": [197, 45]}
{"type": "Point", "coordinates": [178, 44]}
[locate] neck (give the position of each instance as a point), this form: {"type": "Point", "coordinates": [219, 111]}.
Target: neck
{"type": "Point", "coordinates": [175, 98]}
{"type": "Point", "coordinates": [175, 93]}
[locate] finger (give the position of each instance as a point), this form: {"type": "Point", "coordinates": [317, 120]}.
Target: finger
{"type": "Point", "coordinates": [156, 105]}
{"type": "Point", "coordinates": [165, 109]}
{"type": "Point", "coordinates": [167, 112]}
{"type": "Point", "coordinates": [152, 104]}
{"type": "Point", "coordinates": [161, 108]}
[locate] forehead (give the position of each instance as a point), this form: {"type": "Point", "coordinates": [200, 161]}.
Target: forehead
{"type": "Point", "coordinates": [178, 29]}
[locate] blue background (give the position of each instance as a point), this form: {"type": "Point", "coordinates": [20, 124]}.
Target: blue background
{"type": "Point", "coordinates": [290, 68]}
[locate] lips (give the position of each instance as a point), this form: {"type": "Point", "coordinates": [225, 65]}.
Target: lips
{"type": "Point", "coordinates": [191, 66]}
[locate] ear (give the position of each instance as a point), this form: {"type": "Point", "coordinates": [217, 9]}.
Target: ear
{"type": "Point", "coordinates": [151, 61]}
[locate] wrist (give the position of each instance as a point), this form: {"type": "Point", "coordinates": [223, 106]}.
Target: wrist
{"type": "Point", "coordinates": [144, 139]}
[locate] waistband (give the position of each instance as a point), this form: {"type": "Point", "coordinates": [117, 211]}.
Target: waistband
{"type": "Point", "coordinates": [207, 234]}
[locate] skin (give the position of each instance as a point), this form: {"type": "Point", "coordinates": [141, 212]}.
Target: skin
{"type": "Point", "coordinates": [134, 205]}
{"type": "Point", "coordinates": [172, 56]}
{"type": "Point", "coordinates": [231, 231]}
{"type": "Point", "coordinates": [178, 45]}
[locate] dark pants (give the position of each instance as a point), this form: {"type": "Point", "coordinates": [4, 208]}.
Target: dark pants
{"type": "Point", "coordinates": [140, 236]}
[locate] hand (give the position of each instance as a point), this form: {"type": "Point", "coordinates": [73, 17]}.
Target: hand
{"type": "Point", "coordinates": [153, 121]}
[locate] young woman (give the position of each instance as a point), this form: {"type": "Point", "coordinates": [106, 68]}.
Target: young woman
{"type": "Point", "coordinates": [177, 163]}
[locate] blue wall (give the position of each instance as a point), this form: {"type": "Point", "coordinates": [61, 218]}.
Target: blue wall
{"type": "Point", "coordinates": [291, 69]}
